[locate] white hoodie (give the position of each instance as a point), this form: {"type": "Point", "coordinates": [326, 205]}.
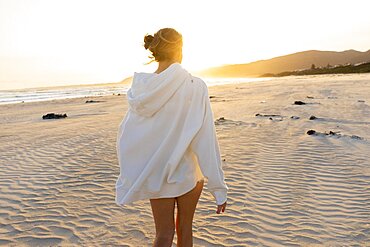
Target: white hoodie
{"type": "Point", "coordinates": [167, 140]}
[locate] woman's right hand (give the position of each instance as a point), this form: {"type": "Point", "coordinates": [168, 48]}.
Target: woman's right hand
{"type": "Point", "coordinates": [221, 208]}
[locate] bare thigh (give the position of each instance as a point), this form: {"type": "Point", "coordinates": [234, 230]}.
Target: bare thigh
{"type": "Point", "coordinates": [163, 213]}
{"type": "Point", "coordinates": [186, 205]}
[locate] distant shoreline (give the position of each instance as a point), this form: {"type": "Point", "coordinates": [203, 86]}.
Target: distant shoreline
{"type": "Point", "coordinates": [83, 91]}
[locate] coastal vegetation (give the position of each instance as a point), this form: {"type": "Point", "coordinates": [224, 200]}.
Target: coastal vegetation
{"type": "Point", "coordinates": [337, 69]}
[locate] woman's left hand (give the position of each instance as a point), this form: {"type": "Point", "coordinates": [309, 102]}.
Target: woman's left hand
{"type": "Point", "coordinates": [221, 208]}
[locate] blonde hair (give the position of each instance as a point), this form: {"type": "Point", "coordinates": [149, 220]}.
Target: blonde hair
{"type": "Point", "coordinates": [164, 44]}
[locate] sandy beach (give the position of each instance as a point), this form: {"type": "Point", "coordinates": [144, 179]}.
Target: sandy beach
{"type": "Point", "coordinates": [287, 188]}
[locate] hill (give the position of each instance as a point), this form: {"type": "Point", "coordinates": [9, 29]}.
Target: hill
{"type": "Point", "coordinates": [127, 80]}
{"type": "Point", "coordinates": [296, 61]}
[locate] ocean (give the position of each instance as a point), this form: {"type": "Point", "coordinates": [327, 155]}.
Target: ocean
{"type": "Point", "coordinates": [77, 91]}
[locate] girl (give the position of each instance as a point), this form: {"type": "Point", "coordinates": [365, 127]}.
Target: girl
{"type": "Point", "coordinates": [167, 143]}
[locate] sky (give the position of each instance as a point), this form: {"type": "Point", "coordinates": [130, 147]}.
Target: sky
{"type": "Point", "coordinates": [59, 42]}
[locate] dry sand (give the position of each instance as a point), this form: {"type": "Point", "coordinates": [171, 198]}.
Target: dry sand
{"type": "Point", "coordinates": [287, 188]}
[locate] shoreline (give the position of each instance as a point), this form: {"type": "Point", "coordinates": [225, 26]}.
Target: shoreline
{"type": "Point", "coordinates": [121, 89]}
{"type": "Point", "coordinates": [60, 100]}
{"type": "Point", "coordinates": [68, 92]}
{"type": "Point", "coordinates": [112, 84]}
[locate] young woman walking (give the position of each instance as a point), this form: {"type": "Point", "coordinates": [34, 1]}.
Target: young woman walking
{"type": "Point", "coordinates": [167, 143]}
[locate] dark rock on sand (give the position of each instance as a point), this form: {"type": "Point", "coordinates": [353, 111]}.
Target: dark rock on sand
{"type": "Point", "coordinates": [294, 117]}
{"type": "Point", "coordinates": [312, 117]}
{"type": "Point", "coordinates": [298, 102]}
{"type": "Point", "coordinates": [273, 117]}
{"type": "Point", "coordinates": [311, 132]}
{"type": "Point", "coordinates": [276, 119]}
{"type": "Point", "coordinates": [228, 122]}
{"type": "Point", "coordinates": [267, 115]}
{"type": "Point", "coordinates": [220, 120]}
{"type": "Point", "coordinates": [332, 133]}
{"type": "Point", "coordinates": [211, 97]}
{"type": "Point", "coordinates": [93, 101]}
{"type": "Point", "coordinates": [54, 116]}
{"type": "Point", "coordinates": [314, 132]}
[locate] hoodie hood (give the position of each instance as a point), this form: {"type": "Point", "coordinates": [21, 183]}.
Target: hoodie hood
{"type": "Point", "coordinates": [150, 91]}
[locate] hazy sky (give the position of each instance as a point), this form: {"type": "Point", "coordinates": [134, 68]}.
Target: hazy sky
{"type": "Point", "coordinates": [54, 42]}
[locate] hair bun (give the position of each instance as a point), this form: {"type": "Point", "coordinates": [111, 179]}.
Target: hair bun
{"type": "Point", "coordinates": [148, 39]}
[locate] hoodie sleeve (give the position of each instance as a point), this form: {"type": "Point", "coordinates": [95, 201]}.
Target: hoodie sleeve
{"type": "Point", "coordinates": [205, 146]}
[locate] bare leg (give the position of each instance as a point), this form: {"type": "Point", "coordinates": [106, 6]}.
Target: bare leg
{"type": "Point", "coordinates": [186, 205]}
{"type": "Point", "coordinates": [163, 212]}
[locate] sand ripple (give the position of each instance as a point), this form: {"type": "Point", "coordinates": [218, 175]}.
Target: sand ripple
{"type": "Point", "coordinates": [286, 188]}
